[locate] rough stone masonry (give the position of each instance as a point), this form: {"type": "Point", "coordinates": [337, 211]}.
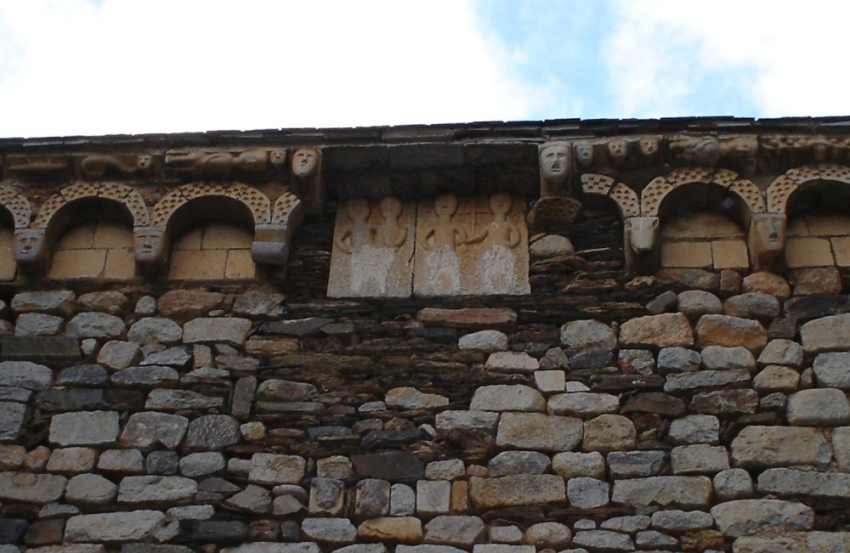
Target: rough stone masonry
{"type": "Point", "coordinates": [486, 338]}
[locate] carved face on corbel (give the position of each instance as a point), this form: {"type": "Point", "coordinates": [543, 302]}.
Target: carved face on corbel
{"type": "Point", "coordinates": [767, 238]}
{"type": "Point", "coordinates": [617, 149]}
{"type": "Point", "coordinates": [554, 162]}
{"type": "Point", "coordinates": [584, 153]}
{"type": "Point", "coordinates": [305, 163]}
{"type": "Point", "coordinates": [30, 248]}
{"type": "Point", "coordinates": [277, 158]}
{"type": "Point", "coordinates": [642, 233]}
{"type": "Point", "coordinates": [649, 147]}
{"type": "Point", "coordinates": [151, 248]}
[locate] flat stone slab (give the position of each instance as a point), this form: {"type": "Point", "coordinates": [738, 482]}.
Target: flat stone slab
{"type": "Point", "coordinates": [115, 527]}
{"type": "Point", "coordinates": [84, 428]}
{"type": "Point", "coordinates": [664, 330]}
{"type": "Point", "coordinates": [805, 483]}
{"type": "Point", "coordinates": [778, 446]}
{"type": "Point", "coordinates": [727, 331]}
{"type": "Point", "coordinates": [270, 468]}
{"type": "Point", "coordinates": [229, 330]}
{"type": "Point", "coordinates": [28, 487]}
{"type": "Point", "coordinates": [740, 517]}
{"type": "Point", "coordinates": [269, 547]}
{"type": "Point", "coordinates": [473, 317]}
{"type": "Point", "coordinates": [826, 334]}
{"type": "Point", "coordinates": [25, 374]}
{"type": "Point", "coordinates": [507, 397]}
{"type": "Point", "coordinates": [156, 489]}
{"type": "Point", "coordinates": [539, 432]}
{"type": "Point", "coordinates": [53, 350]}
{"type": "Point", "coordinates": [833, 370]}
{"type": "Point", "coordinates": [684, 492]}
{"type": "Point", "coordinates": [519, 489]}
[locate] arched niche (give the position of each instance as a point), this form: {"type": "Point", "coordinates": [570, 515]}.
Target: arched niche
{"type": "Point", "coordinates": [703, 226]}
{"type": "Point", "coordinates": [211, 238]}
{"type": "Point", "coordinates": [607, 205]}
{"type": "Point", "coordinates": [818, 233]}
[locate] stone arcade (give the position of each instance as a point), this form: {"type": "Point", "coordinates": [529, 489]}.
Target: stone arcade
{"type": "Point", "coordinates": [488, 338]}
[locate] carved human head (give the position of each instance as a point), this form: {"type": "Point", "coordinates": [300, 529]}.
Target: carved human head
{"type": "Point", "coordinates": [554, 162]}
{"type": "Point", "coordinates": [500, 203]}
{"type": "Point", "coordinates": [305, 162]}
{"type": "Point", "coordinates": [767, 238]}
{"type": "Point", "coordinates": [617, 149]}
{"type": "Point", "coordinates": [391, 207]}
{"type": "Point", "coordinates": [649, 147]}
{"type": "Point", "coordinates": [277, 157]}
{"type": "Point", "coordinates": [30, 246]}
{"type": "Point", "coordinates": [144, 162]}
{"type": "Point", "coordinates": [584, 153]}
{"type": "Point", "coordinates": [445, 205]}
{"type": "Point", "coordinates": [151, 247]}
{"type": "Point", "coordinates": [358, 209]}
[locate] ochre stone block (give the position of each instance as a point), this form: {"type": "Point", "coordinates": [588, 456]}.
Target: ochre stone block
{"type": "Point", "coordinates": [701, 225]}
{"type": "Point", "coordinates": [829, 225]}
{"type": "Point", "coordinates": [77, 238]}
{"type": "Point", "coordinates": [239, 264]}
{"type": "Point", "coordinates": [686, 254]}
{"type": "Point", "coordinates": [7, 254]}
{"type": "Point", "coordinates": [197, 264]}
{"type": "Point", "coordinates": [108, 235]}
{"type": "Point", "coordinates": [77, 264]}
{"type": "Point", "coordinates": [120, 264]}
{"type": "Point", "coordinates": [730, 254]}
{"type": "Point", "coordinates": [190, 240]}
{"type": "Point", "coordinates": [841, 249]}
{"type": "Point", "coordinates": [225, 237]}
{"type": "Point", "coordinates": [808, 252]}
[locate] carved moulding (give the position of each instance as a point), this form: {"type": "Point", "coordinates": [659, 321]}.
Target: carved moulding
{"type": "Point", "coordinates": [555, 204]}
{"type": "Point", "coordinates": [272, 241]}
{"type": "Point", "coordinates": [307, 179]}
{"type": "Point", "coordinates": [471, 246]}
{"type": "Point", "coordinates": [373, 249]}
{"type": "Point", "coordinates": [32, 245]}
{"type": "Point", "coordinates": [213, 164]}
{"type": "Point", "coordinates": [96, 166]}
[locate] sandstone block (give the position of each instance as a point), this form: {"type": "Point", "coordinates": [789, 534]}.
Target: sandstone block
{"type": "Point", "coordinates": [782, 352]}
{"type": "Point", "coordinates": [724, 330]}
{"type": "Point", "coordinates": [776, 446]}
{"type": "Point", "coordinates": [520, 489]}
{"type": "Point", "coordinates": [553, 535]}
{"type": "Point", "coordinates": [733, 484]}
{"type": "Point", "coordinates": [571, 464]}
{"type": "Point", "coordinates": [609, 433]}
{"type": "Point", "coordinates": [767, 283]}
{"type": "Point", "coordinates": [467, 420]}
{"type": "Point", "coordinates": [685, 492]}
{"type": "Point", "coordinates": [740, 517]}
{"type": "Point", "coordinates": [699, 459]}
{"type": "Point", "coordinates": [538, 431]}
{"type": "Point", "coordinates": [664, 330]}
{"type": "Point", "coordinates": [776, 378]}
{"type": "Point", "coordinates": [468, 318]}
{"type": "Point", "coordinates": [507, 397]}
{"type": "Point", "coordinates": [270, 468]}
{"type": "Point", "coordinates": [604, 540]}
{"type": "Point", "coordinates": [391, 529]}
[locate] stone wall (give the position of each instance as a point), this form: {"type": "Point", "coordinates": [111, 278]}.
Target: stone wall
{"type": "Point", "coordinates": [216, 405]}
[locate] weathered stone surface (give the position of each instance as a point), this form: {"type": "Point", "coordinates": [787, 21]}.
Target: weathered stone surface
{"type": "Point", "coordinates": [665, 301]}
{"type": "Point", "coordinates": [674, 520]}
{"type": "Point", "coordinates": [484, 340]}
{"type": "Point", "coordinates": [603, 540]}
{"type": "Point", "coordinates": [549, 534]}
{"type": "Point", "coordinates": [752, 305]}
{"type": "Point", "coordinates": [393, 466]}
{"type": "Point", "coordinates": [427, 548]}
{"type": "Point", "coordinates": [805, 308]}
{"type": "Point", "coordinates": [776, 446]}
{"type": "Point", "coordinates": [433, 497]}
{"type": "Point", "coordinates": [826, 334]}
{"type": "Point", "coordinates": [253, 499]}
{"type": "Point", "coordinates": [462, 531]}
{"type": "Point", "coordinates": [833, 370]}
{"type": "Point", "coordinates": [146, 377]}
{"type": "Point", "coordinates": [767, 283]}
{"type": "Point", "coordinates": [782, 352]}
{"type": "Point", "coordinates": [12, 416]}
{"type": "Point", "coordinates": [550, 246]}
{"type": "Point", "coordinates": [587, 335]}
{"type": "Point", "coordinates": [183, 305]}
{"type": "Point", "coordinates": [468, 318]}
{"type": "Point", "coordinates": [466, 420]}
{"type": "Point", "coordinates": [705, 380]}
{"type": "Point", "coordinates": [411, 398]}
{"type": "Point", "coordinates": [725, 402]}
{"type": "Point", "coordinates": [95, 325]}
{"type": "Point", "coordinates": [727, 331]}
{"type": "Point", "coordinates": [83, 375]}
{"type": "Point", "coordinates": [626, 524]}
{"type": "Point", "coordinates": [638, 361]}
{"type": "Point", "coordinates": [665, 330]}
{"type": "Point", "coordinates": [270, 468]}
{"type": "Point", "coordinates": [84, 428]}
{"type": "Point", "coordinates": [145, 430]}
{"type": "Point", "coordinates": [72, 460]}
{"type": "Point", "coordinates": [53, 350]}
{"type": "Point", "coordinates": [520, 489]}
{"type": "Point", "coordinates": [695, 303]}
{"type": "Point", "coordinates": [733, 484]}
{"type": "Point", "coordinates": [212, 432]}
{"type": "Point", "coordinates": [285, 390]}
{"type": "Point", "coordinates": [202, 464]}
{"type": "Point", "coordinates": [90, 489]}
{"type": "Point", "coordinates": [232, 331]}
{"type": "Point", "coordinates": [678, 359]}
{"type": "Point", "coordinates": [695, 429]}
{"type": "Point", "coordinates": [775, 378]}
{"type": "Point", "coordinates": [818, 407]}
{"type": "Point", "coordinates": [685, 492]}
{"type": "Point", "coordinates": [332, 531]}
{"type": "Point", "coordinates": [804, 483]}
{"type": "Point", "coordinates": [699, 459]}
{"type": "Point", "coordinates": [392, 529]}
{"type": "Point", "coordinates": [507, 397]}
{"type": "Point", "coordinates": [24, 374]}
{"type": "Point", "coordinates": [60, 302]}
{"type": "Point", "coordinates": [255, 303]}
{"type": "Point", "coordinates": [508, 463]}
{"type": "Point", "coordinates": [817, 280]}
{"type": "Point", "coordinates": [718, 358]}
{"type": "Point", "coordinates": [588, 493]}
{"type": "Point", "coordinates": [116, 527]}
{"type": "Point", "coordinates": [582, 404]}
{"type": "Point", "coordinates": [155, 489]}
{"type": "Point", "coordinates": [636, 464]}
{"type": "Point", "coordinates": [538, 431]}
{"type": "Point", "coordinates": [178, 357]}
{"type": "Point", "coordinates": [609, 433]}
{"type": "Point", "coordinates": [573, 464]}
{"type": "Point", "coordinates": [28, 487]}
{"type": "Point", "coordinates": [38, 324]}
{"type": "Point", "coordinates": [740, 517]}
{"type": "Point", "coordinates": [155, 330]}
{"type": "Point", "coordinates": [511, 361]}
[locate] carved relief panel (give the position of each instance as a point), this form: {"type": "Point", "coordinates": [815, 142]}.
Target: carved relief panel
{"type": "Point", "coordinates": [471, 246]}
{"type": "Point", "coordinates": [373, 249]}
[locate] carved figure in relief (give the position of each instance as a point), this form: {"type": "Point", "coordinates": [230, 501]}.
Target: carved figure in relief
{"type": "Point", "coordinates": [96, 165]}
{"type": "Point", "coordinates": [442, 265]}
{"type": "Point", "coordinates": [31, 249]}
{"type": "Point", "coordinates": [584, 153]}
{"type": "Point", "coordinates": [306, 168]}
{"type": "Point", "coordinates": [498, 266]}
{"type": "Point", "coordinates": [766, 240]}
{"type": "Point", "coordinates": [641, 243]}
{"type": "Point", "coordinates": [369, 260]}
{"type": "Point", "coordinates": [151, 248]}
{"type": "Point", "coordinates": [650, 147]}
{"type": "Point", "coordinates": [703, 150]}
{"type": "Point", "coordinates": [618, 150]}
{"type": "Point", "coordinates": [554, 168]}
{"type": "Point", "coordinates": [217, 164]}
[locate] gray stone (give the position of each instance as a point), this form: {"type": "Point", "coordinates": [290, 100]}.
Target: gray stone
{"type": "Point", "coordinates": [733, 484]}
{"type": "Point", "coordinates": [12, 416]}
{"type": "Point", "coordinates": [685, 492]}
{"type": "Point", "coordinates": [703, 380]}
{"type": "Point", "coordinates": [484, 340]}
{"type": "Point", "coordinates": [626, 524]}
{"type": "Point", "coordinates": [336, 466]}
{"type": "Point", "coordinates": [178, 400]}
{"type": "Point", "coordinates": [508, 463]}
{"type": "Point", "coordinates": [326, 496]}
{"type": "Point", "coordinates": [505, 534]}
{"type": "Point", "coordinates": [636, 464]}
{"type": "Point", "coordinates": [678, 359]}
{"type": "Point", "coordinates": [146, 377]}
{"type": "Point", "coordinates": [588, 493]}
{"type": "Point", "coordinates": [638, 361]}
{"type": "Point", "coordinates": [52, 350]}
{"type": "Point", "coordinates": [719, 357]}
{"type": "Point", "coordinates": [699, 459]}
{"type": "Point", "coordinates": [83, 375]}
{"type": "Point", "coordinates": [832, 370]}
{"type": "Point", "coordinates": [804, 483]}
{"type": "Point", "coordinates": [782, 352]}
{"type": "Point", "coordinates": [550, 381]}
{"type": "Point", "coordinates": [332, 531]}
{"type": "Point", "coordinates": [695, 303]}
{"type": "Point", "coordinates": [38, 324]}
{"type": "Point", "coordinates": [155, 330]}
{"type": "Point", "coordinates": [24, 374]}
{"type": "Point", "coordinates": [202, 464]}
{"type": "Point", "coordinates": [550, 245]}
{"type": "Point", "coordinates": [232, 330]}
{"type": "Point", "coordinates": [84, 428]}
{"type": "Point", "coordinates": [583, 404]}
{"type": "Point", "coordinates": [737, 518]}
{"type": "Point", "coordinates": [462, 531]}
{"type": "Point", "coordinates": [296, 327]}
{"type": "Point", "coordinates": [666, 301]}
{"type": "Point", "coordinates": [90, 490]}
{"type": "Point", "coordinates": [592, 359]}
{"type": "Point", "coordinates": [538, 431]}
{"type": "Point", "coordinates": [725, 402]}
{"type": "Point", "coordinates": [587, 335]}
{"type": "Point", "coordinates": [95, 325]}
{"type": "Point", "coordinates": [191, 512]}
{"type": "Point", "coordinates": [427, 548]}
{"type": "Point", "coordinates": [146, 306]}
{"type": "Point", "coordinates": [258, 304]}
{"type": "Point", "coordinates": [507, 397]}
{"type": "Point", "coordinates": [777, 446]}
{"type": "Point", "coordinates": [818, 407]}
{"type": "Point", "coordinates": [117, 527]}
{"type": "Point", "coordinates": [285, 390]}
{"type": "Point", "coordinates": [304, 547]}
{"type": "Point", "coordinates": [776, 378]}
{"type": "Point", "coordinates": [603, 540]}
{"type": "Point", "coordinates": [146, 430]}
{"type": "Point", "coordinates": [520, 489]}
{"type": "Point", "coordinates": [162, 462]}
{"type": "Point", "coordinates": [501, 548]}
{"type": "Point", "coordinates": [253, 499]}
{"type": "Point", "coordinates": [411, 398]}
{"type": "Point", "coordinates": [549, 534]}
{"type": "Point", "coordinates": [402, 500]}
{"type": "Point", "coordinates": [695, 429]}
{"type": "Point", "coordinates": [652, 539]}
{"type": "Point", "coordinates": [511, 361]}
{"type": "Point", "coordinates": [212, 432]}
{"type": "Point", "coordinates": [681, 521]}
{"type": "Point", "coordinates": [179, 357]}
{"type": "Point", "coordinates": [155, 489]}
{"type": "Point", "coordinates": [271, 468]}
{"type": "Point", "coordinates": [572, 464]}
{"type": "Point", "coordinates": [433, 497]}
{"type": "Point", "coordinates": [554, 358]}
{"type": "Point", "coordinates": [451, 469]}
{"type": "Point", "coordinates": [125, 461]}
{"type": "Point", "coordinates": [372, 498]}
{"type": "Point", "coordinates": [826, 334]}
{"type": "Point", "coordinates": [752, 305]}
{"type": "Point", "coordinates": [27, 487]}
{"type": "Point", "coordinates": [60, 302]}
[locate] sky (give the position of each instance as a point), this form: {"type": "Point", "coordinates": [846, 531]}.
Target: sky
{"type": "Point", "coordinates": [95, 67]}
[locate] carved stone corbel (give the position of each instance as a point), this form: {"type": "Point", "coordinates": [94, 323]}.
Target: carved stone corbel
{"type": "Point", "coordinates": [151, 248]}
{"type": "Point", "coordinates": [272, 241]}
{"type": "Point", "coordinates": [96, 166]}
{"type": "Point", "coordinates": [309, 184]}
{"type": "Point", "coordinates": [555, 204]}
{"type": "Point", "coordinates": [641, 244]}
{"type": "Point", "coordinates": [32, 251]}
{"type": "Point", "coordinates": [766, 240]}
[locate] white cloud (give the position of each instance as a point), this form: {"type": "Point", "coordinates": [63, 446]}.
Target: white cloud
{"type": "Point", "coordinates": [132, 66]}
{"type": "Point", "coordinates": [786, 53]}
